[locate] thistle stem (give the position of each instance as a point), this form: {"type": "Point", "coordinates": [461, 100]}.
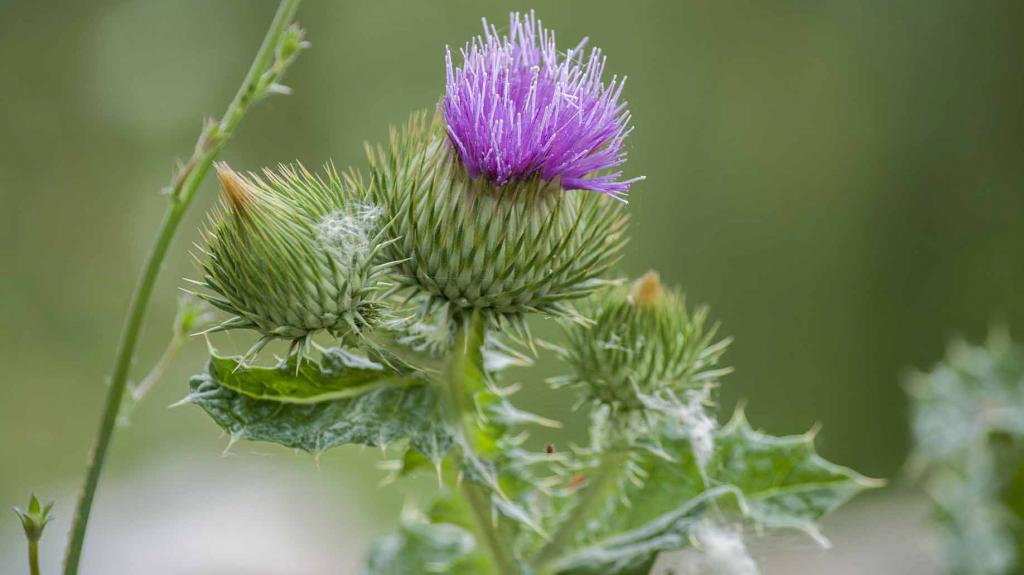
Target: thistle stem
{"type": "Point", "coordinates": [33, 557]}
{"type": "Point", "coordinates": [480, 503]}
{"type": "Point", "coordinates": [467, 356]}
{"type": "Point", "coordinates": [184, 186]}
{"type": "Point", "coordinates": [588, 502]}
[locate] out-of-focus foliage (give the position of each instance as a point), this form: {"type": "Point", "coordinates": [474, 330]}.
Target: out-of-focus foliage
{"type": "Point", "coordinates": [422, 547]}
{"type": "Point", "coordinates": [968, 422]}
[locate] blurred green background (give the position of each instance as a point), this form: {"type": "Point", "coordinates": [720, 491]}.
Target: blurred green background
{"type": "Point", "coordinates": [842, 182]}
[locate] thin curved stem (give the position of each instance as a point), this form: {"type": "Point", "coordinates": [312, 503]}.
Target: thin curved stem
{"type": "Point", "coordinates": [267, 66]}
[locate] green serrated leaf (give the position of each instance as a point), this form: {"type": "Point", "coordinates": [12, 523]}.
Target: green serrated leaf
{"type": "Point", "coordinates": [386, 410]}
{"type": "Point", "coordinates": [634, 552]}
{"type": "Point", "coordinates": [784, 482]}
{"type": "Point", "coordinates": [340, 374]}
{"type": "Point", "coordinates": [660, 496]}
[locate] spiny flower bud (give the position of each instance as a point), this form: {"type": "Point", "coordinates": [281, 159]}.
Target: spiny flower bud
{"type": "Point", "coordinates": [291, 254]}
{"type": "Point", "coordinates": [643, 346]}
{"type": "Point", "coordinates": [525, 246]}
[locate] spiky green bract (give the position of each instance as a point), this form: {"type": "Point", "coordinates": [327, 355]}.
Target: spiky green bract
{"type": "Point", "coordinates": [643, 346]}
{"type": "Point", "coordinates": [291, 253]}
{"type": "Point", "coordinates": [505, 250]}
{"type": "Point", "coordinates": [968, 423]}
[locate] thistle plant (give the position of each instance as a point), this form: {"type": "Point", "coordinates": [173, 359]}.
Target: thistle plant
{"type": "Point", "coordinates": [968, 424]}
{"type": "Point", "coordinates": [507, 203]}
{"type": "Point", "coordinates": [504, 204]}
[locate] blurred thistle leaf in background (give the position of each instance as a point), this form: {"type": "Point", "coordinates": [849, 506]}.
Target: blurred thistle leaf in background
{"type": "Point", "coordinates": [968, 423]}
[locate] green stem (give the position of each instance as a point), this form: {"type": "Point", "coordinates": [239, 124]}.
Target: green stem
{"type": "Point", "coordinates": [467, 357]}
{"type": "Point", "coordinates": [184, 187]}
{"type": "Point", "coordinates": [479, 501]}
{"type": "Point", "coordinates": [588, 502]}
{"type": "Point", "coordinates": [33, 557]}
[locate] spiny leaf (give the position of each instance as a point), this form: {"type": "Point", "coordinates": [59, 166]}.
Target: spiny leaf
{"type": "Point", "coordinates": [769, 481]}
{"type": "Point", "coordinates": [364, 412]}
{"type": "Point", "coordinates": [340, 374]}
{"type": "Point", "coordinates": [784, 482]}
{"type": "Point", "coordinates": [633, 552]}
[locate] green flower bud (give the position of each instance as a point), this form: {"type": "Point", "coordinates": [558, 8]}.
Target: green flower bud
{"type": "Point", "coordinates": [291, 254]}
{"type": "Point", "coordinates": [642, 347]}
{"type": "Point", "coordinates": [34, 518]}
{"type": "Point", "coordinates": [525, 246]}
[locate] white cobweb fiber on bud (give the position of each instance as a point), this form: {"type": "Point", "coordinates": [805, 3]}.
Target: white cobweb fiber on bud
{"type": "Point", "coordinates": [723, 551]}
{"type": "Point", "coordinates": [346, 233]}
{"type": "Point", "coordinates": [700, 423]}
{"type": "Point", "coordinates": [691, 415]}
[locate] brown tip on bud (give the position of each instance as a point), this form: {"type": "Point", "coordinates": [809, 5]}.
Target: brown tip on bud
{"type": "Point", "coordinates": [237, 190]}
{"type": "Point", "coordinates": [648, 291]}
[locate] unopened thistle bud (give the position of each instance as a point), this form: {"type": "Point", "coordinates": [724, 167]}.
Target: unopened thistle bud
{"type": "Point", "coordinates": [505, 202]}
{"type": "Point", "coordinates": [642, 345]}
{"type": "Point", "coordinates": [290, 254]}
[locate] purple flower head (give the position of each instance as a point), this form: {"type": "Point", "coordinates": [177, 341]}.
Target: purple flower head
{"type": "Point", "coordinates": [517, 108]}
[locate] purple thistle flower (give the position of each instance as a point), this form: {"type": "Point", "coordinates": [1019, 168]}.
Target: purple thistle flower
{"type": "Point", "coordinates": [517, 108]}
